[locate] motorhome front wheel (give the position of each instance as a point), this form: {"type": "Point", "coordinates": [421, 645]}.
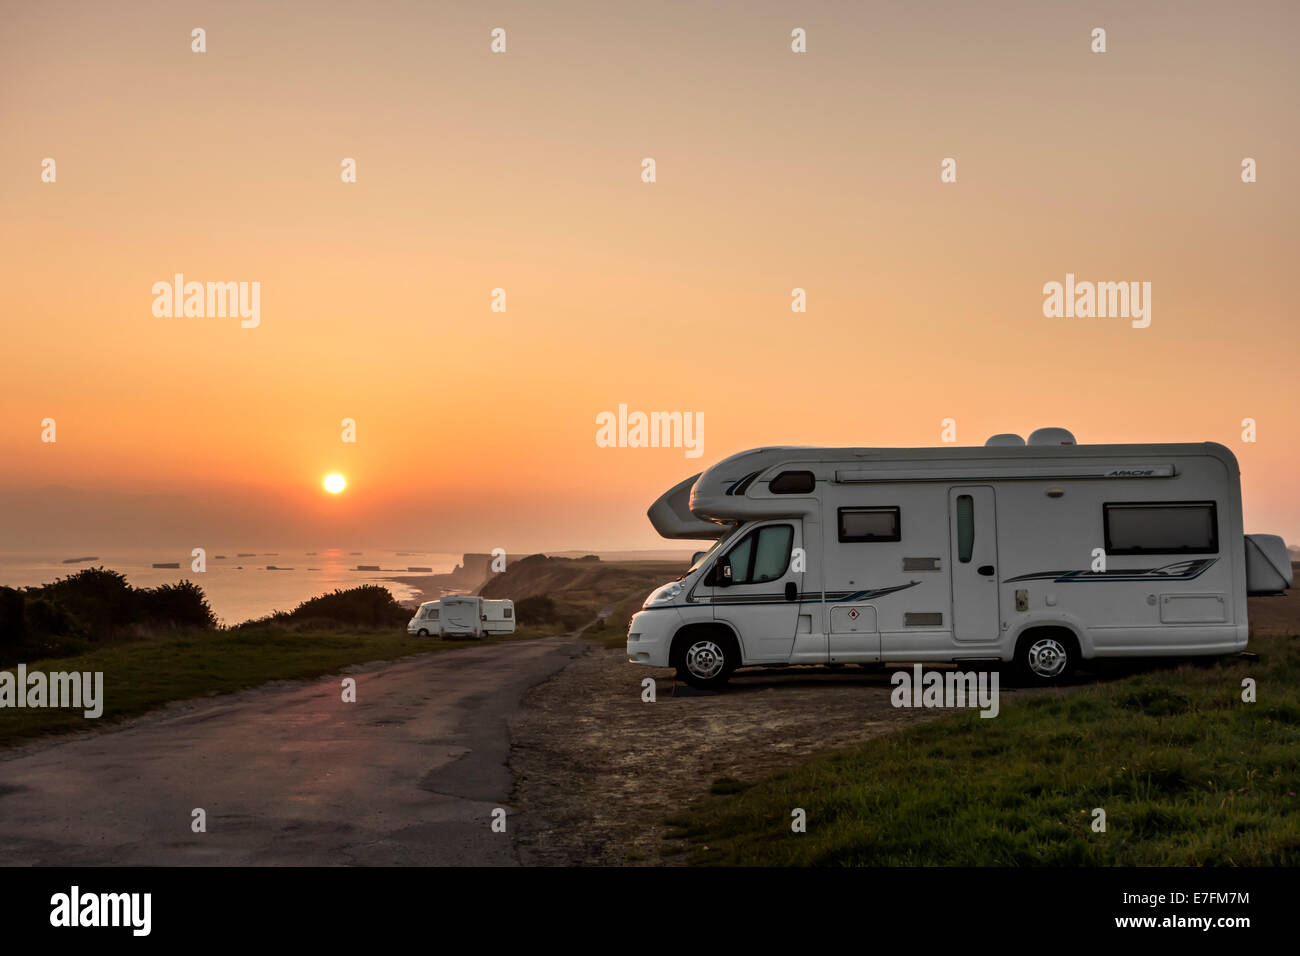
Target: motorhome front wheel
{"type": "Point", "coordinates": [704, 663]}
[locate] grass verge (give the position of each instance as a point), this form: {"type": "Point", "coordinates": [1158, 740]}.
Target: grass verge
{"type": "Point", "coordinates": [1186, 772]}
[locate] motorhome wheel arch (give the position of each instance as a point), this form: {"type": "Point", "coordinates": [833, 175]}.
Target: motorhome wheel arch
{"type": "Point", "coordinates": [1039, 553]}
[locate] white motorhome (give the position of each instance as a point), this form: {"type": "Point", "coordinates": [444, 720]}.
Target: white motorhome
{"type": "Point", "coordinates": [1039, 553]}
{"type": "Point", "coordinates": [426, 620]}
{"type": "Point", "coordinates": [463, 615]}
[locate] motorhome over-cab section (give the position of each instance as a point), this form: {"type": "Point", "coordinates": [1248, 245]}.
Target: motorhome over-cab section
{"type": "Point", "coordinates": [1044, 553]}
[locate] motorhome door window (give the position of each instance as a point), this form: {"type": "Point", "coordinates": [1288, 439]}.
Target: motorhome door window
{"type": "Point", "coordinates": [772, 556]}
{"type": "Point", "coordinates": [965, 528]}
{"type": "Point", "coordinates": [763, 555]}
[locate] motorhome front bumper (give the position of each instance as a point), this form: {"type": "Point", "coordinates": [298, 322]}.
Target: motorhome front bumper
{"type": "Point", "coordinates": [650, 635]}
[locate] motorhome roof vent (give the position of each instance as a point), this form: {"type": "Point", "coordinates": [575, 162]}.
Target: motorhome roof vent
{"type": "Point", "coordinates": [1051, 436]}
{"type": "Point", "coordinates": [1005, 439]}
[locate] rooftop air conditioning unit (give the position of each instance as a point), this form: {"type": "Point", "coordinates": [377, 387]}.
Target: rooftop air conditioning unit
{"type": "Point", "coordinates": [1051, 436]}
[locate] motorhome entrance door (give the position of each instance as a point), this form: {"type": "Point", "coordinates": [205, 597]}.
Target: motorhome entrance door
{"type": "Point", "coordinates": [762, 602]}
{"type": "Point", "coordinates": [974, 562]}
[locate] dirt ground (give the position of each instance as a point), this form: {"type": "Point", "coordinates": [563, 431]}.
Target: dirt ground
{"type": "Point", "coordinates": [598, 771]}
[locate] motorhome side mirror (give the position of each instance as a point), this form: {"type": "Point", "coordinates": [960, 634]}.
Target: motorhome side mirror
{"type": "Point", "coordinates": [696, 556]}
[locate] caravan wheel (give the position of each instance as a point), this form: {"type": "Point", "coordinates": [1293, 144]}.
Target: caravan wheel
{"type": "Point", "coordinates": [1046, 657]}
{"type": "Point", "coordinates": [422, 632]}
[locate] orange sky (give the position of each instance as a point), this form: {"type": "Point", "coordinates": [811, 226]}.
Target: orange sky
{"type": "Point", "coordinates": [522, 171]}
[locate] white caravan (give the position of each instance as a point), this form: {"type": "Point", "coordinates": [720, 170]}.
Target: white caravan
{"type": "Point", "coordinates": [463, 615]}
{"type": "Point", "coordinates": [498, 616]}
{"type": "Point", "coordinates": [1040, 553]}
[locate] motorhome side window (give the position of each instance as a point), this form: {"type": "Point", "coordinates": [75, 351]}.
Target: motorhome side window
{"type": "Point", "coordinates": [794, 483]}
{"type": "Point", "coordinates": [1177, 527]}
{"type": "Point", "coordinates": [763, 555]}
{"type": "Point", "coordinates": [508, 613]}
{"type": "Point", "coordinates": [869, 524]}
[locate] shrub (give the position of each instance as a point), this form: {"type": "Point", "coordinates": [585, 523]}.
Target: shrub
{"type": "Point", "coordinates": [12, 626]}
{"type": "Point", "coordinates": [370, 605]}
{"type": "Point", "coordinates": [178, 605]}
{"type": "Point", "coordinates": [101, 599]}
{"type": "Point", "coordinates": [538, 609]}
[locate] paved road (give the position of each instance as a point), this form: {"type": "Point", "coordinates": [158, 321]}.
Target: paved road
{"type": "Point", "coordinates": [290, 774]}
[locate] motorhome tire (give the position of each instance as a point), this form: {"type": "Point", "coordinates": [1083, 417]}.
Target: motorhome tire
{"type": "Point", "coordinates": [422, 632]}
{"type": "Point", "coordinates": [1046, 657]}
{"type": "Point", "coordinates": [706, 659]}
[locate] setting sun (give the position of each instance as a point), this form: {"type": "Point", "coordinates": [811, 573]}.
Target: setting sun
{"type": "Point", "coordinates": [335, 483]}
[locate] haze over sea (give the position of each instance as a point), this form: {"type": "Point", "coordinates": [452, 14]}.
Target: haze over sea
{"type": "Point", "coordinates": [238, 586]}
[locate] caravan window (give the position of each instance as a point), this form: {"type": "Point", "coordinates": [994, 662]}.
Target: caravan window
{"type": "Point", "coordinates": [1176, 527]}
{"type": "Point", "coordinates": [869, 524]}
{"type": "Point", "coordinates": [793, 483]}
{"type": "Point", "coordinates": [763, 555]}
{"type": "Point", "coordinates": [508, 613]}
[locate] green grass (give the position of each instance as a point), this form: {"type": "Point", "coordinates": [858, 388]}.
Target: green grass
{"type": "Point", "coordinates": [1187, 773]}
{"type": "Point", "coordinates": [611, 631]}
{"type": "Point", "coordinates": [141, 675]}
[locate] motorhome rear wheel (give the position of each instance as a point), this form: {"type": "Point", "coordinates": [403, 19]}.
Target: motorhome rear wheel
{"type": "Point", "coordinates": [1046, 656]}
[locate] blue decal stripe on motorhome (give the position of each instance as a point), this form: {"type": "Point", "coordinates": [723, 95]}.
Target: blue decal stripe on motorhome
{"type": "Point", "coordinates": [806, 597]}
{"type": "Point", "coordinates": [1180, 571]}
{"type": "Point", "coordinates": [766, 599]}
{"type": "Point", "coordinates": [874, 593]}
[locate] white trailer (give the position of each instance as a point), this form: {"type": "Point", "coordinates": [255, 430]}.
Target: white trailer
{"type": "Point", "coordinates": [463, 615]}
{"type": "Point", "coordinates": [498, 616]}
{"type": "Point", "coordinates": [1041, 553]}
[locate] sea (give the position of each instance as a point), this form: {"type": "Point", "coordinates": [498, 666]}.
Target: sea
{"type": "Point", "coordinates": [240, 584]}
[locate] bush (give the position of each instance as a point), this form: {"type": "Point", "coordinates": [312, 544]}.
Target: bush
{"type": "Point", "coordinates": [177, 605]}
{"type": "Point", "coordinates": [12, 626]}
{"type": "Point", "coordinates": [538, 609]}
{"type": "Point", "coordinates": [370, 605]}
{"type": "Point", "coordinates": [101, 599]}
{"type": "Point", "coordinates": [95, 604]}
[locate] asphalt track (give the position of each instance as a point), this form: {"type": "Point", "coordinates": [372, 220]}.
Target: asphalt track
{"type": "Point", "coordinates": [289, 774]}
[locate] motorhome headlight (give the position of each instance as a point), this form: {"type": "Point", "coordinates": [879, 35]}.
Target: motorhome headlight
{"type": "Point", "coordinates": [664, 595]}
